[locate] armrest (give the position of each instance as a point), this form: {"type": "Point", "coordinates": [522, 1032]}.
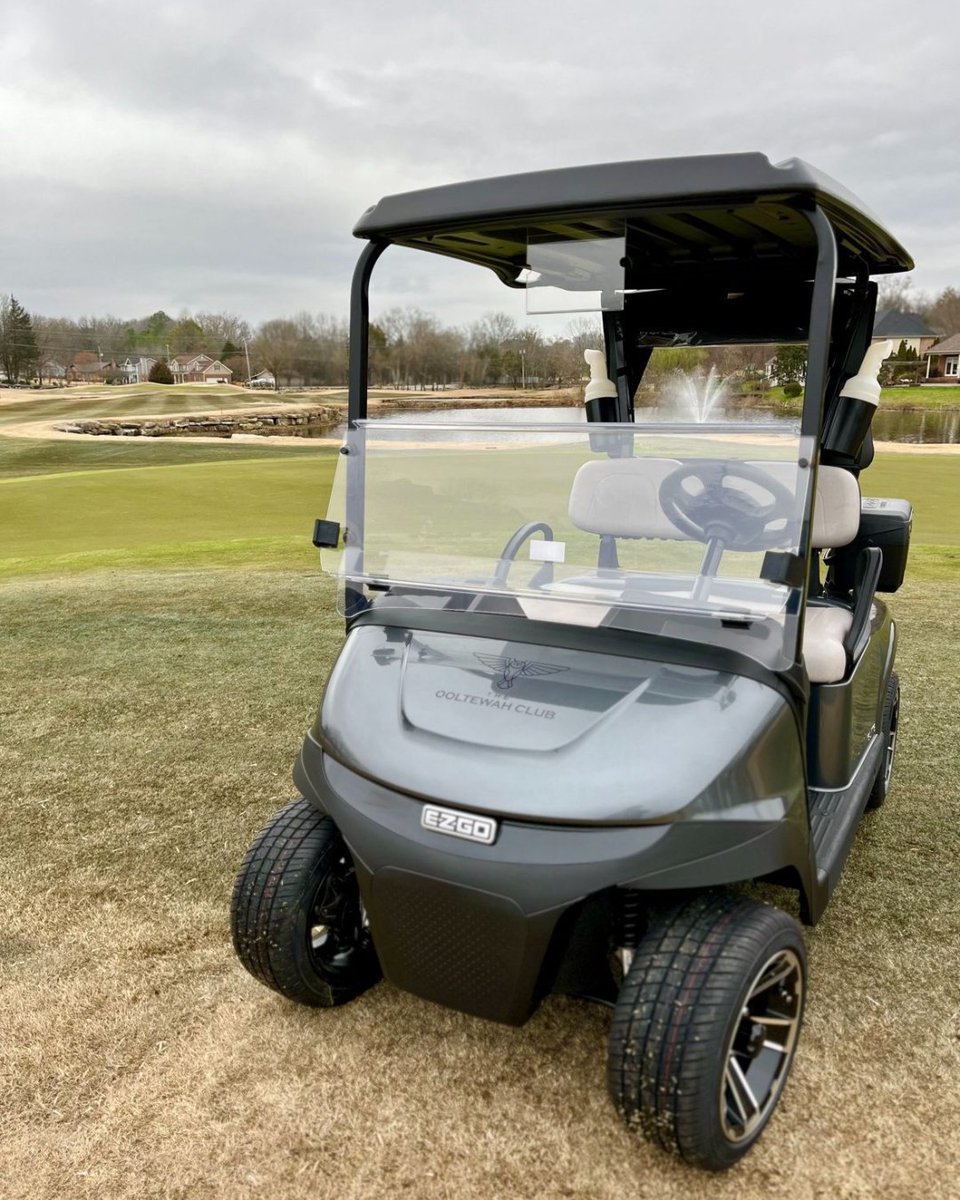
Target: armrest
{"type": "Point", "coordinates": [869, 562]}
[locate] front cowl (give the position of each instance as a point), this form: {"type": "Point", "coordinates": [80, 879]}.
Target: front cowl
{"type": "Point", "coordinates": [544, 733]}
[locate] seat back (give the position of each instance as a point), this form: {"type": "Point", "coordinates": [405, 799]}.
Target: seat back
{"type": "Point", "coordinates": [620, 498]}
{"type": "Point", "coordinates": [836, 514]}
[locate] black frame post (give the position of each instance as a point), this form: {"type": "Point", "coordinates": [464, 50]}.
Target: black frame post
{"type": "Point", "coordinates": [815, 387]}
{"type": "Point", "coordinates": [360, 331]}
{"type": "Point", "coordinates": [821, 324]}
{"type": "Point", "coordinates": [354, 599]}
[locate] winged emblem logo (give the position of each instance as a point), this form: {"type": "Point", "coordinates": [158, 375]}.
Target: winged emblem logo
{"type": "Point", "coordinates": [509, 670]}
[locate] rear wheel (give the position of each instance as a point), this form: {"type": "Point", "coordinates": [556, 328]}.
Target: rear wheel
{"type": "Point", "coordinates": [296, 918]}
{"type": "Point", "coordinates": [888, 731]}
{"type": "Point", "coordinates": [706, 1026]}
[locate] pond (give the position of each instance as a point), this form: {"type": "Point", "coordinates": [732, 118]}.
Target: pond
{"type": "Point", "coordinates": [920, 426]}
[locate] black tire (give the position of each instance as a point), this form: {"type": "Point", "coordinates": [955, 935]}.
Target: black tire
{"type": "Point", "coordinates": [296, 917]}
{"type": "Point", "coordinates": [681, 1022]}
{"type": "Point", "coordinates": [889, 721]}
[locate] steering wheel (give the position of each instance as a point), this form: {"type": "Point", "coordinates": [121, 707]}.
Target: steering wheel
{"type": "Point", "coordinates": [731, 515]}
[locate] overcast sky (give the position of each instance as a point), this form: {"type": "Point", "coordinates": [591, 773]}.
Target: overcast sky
{"type": "Point", "coordinates": [215, 155]}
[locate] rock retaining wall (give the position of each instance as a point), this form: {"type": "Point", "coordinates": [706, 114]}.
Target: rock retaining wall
{"type": "Point", "coordinates": [221, 426]}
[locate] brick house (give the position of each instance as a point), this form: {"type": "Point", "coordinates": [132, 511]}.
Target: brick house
{"type": "Point", "coordinates": [199, 368]}
{"type": "Point", "coordinates": [904, 327]}
{"type": "Point", "coordinates": [943, 360]}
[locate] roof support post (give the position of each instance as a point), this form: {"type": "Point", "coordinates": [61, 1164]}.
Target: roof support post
{"type": "Point", "coordinates": [815, 387]}
{"type": "Point", "coordinates": [616, 363]}
{"type": "Point", "coordinates": [821, 322]}
{"type": "Point", "coordinates": [360, 331]}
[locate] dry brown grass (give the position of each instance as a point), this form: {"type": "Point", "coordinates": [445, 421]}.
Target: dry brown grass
{"type": "Point", "coordinates": [149, 723]}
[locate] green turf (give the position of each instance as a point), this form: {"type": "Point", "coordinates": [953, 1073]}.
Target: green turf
{"type": "Point", "coordinates": [175, 515]}
{"type": "Point", "coordinates": [226, 507]}
{"type": "Point", "coordinates": [37, 456]}
{"type": "Point", "coordinates": [945, 396]}
{"type": "Point", "coordinates": [931, 482]}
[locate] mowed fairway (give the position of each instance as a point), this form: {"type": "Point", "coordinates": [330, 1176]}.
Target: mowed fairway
{"type": "Point", "coordinates": [257, 512]}
{"type": "Point", "coordinates": [164, 637]}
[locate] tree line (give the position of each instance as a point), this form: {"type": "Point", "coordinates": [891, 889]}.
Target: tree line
{"type": "Point", "coordinates": [408, 348]}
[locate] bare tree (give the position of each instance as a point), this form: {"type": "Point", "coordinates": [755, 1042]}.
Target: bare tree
{"type": "Point", "coordinates": [895, 294]}
{"type": "Point", "coordinates": [943, 313]}
{"type": "Point", "coordinates": [276, 346]}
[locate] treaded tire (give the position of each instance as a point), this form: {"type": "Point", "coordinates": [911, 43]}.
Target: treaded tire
{"type": "Point", "coordinates": [889, 721]}
{"type": "Point", "coordinates": [297, 861]}
{"type": "Point", "coordinates": [679, 1014]}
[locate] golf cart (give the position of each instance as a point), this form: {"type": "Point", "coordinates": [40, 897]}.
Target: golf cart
{"type": "Point", "coordinates": [606, 679]}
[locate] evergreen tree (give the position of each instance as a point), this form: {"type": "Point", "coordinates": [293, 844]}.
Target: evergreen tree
{"type": "Point", "coordinates": [19, 353]}
{"type": "Point", "coordinates": [790, 364]}
{"type": "Point", "coordinates": [160, 373]}
{"type": "Point", "coordinates": [905, 353]}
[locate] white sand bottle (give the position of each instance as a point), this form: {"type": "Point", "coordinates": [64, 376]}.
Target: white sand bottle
{"type": "Point", "coordinates": [859, 397]}
{"type": "Point", "coordinates": [600, 396]}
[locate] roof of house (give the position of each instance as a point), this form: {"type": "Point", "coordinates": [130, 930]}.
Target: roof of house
{"type": "Point", "coordinates": [190, 360]}
{"type": "Point", "coordinates": [894, 323]}
{"type": "Point", "coordinates": [950, 345]}
{"type": "Point", "coordinates": [218, 368]}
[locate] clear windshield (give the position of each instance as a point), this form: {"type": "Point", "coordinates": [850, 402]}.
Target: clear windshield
{"type": "Point", "coordinates": [676, 531]}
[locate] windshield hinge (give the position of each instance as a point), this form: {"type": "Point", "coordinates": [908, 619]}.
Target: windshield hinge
{"type": "Point", "coordinates": [326, 534]}
{"type": "Point", "coordinates": [781, 567]}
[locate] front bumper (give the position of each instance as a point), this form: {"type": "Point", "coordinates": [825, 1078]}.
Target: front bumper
{"type": "Point", "coordinates": [484, 928]}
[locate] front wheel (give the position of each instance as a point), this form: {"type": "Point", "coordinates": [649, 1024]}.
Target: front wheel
{"type": "Point", "coordinates": [706, 1026]}
{"type": "Point", "coordinates": [297, 921]}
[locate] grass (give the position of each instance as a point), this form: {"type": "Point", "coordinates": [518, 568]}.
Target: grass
{"type": "Point", "coordinates": [164, 638]}
{"type": "Point", "coordinates": [38, 456]}
{"type": "Point", "coordinates": [941, 396]}
{"type": "Point", "coordinates": [150, 720]}
{"type": "Point", "coordinates": [188, 515]}
{"type": "Point", "coordinates": [220, 505]}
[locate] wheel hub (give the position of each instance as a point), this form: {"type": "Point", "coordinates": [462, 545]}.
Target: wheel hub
{"type": "Point", "coordinates": [755, 1039]}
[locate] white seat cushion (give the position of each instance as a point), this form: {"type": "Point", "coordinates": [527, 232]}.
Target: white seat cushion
{"type": "Point", "coordinates": [824, 629]}
{"type": "Point", "coordinates": [836, 514]}
{"type": "Point", "coordinates": [620, 497]}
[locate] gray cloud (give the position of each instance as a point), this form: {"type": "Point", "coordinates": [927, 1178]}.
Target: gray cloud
{"type": "Point", "coordinates": [216, 155]}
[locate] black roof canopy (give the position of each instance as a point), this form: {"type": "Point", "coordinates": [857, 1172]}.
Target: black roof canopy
{"type": "Point", "coordinates": [730, 218]}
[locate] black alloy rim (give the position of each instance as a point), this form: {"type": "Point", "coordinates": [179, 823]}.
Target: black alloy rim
{"type": "Point", "coordinates": [891, 750]}
{"type": "Point", "coordinates": [760, 1051]}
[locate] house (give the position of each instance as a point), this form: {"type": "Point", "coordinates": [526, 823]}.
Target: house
{"type": "Point", "coordinates": [51, 369]}
{"type": "Point", "coordinates": [199, 368]}
{"type": "Point", "coordinates": [904, 327]}
{"type": "Point", "coordinates": [942, 359]}
{"type": "Point", "coordinates": [137, 370]}
{"type": "Point", "coordinates": [90, 372]}
{"type": "Point", "coordinates": [262, 379]}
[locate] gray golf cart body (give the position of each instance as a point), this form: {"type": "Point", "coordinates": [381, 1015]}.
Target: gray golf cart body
{"type": "Point", "coordinates": [510, 750]}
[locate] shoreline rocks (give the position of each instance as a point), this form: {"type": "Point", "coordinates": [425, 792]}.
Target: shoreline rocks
{"type": "Point", "coordinates": [221, 426]}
